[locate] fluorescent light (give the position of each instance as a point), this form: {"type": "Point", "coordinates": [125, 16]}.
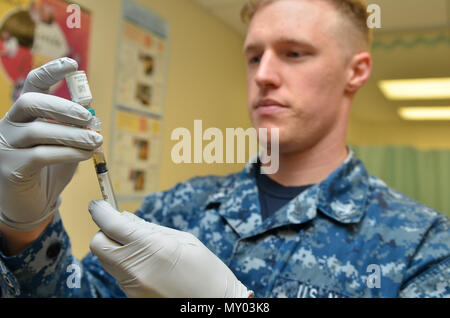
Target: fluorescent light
{"type": "Point", "coordinates": [426, 88]}
{"type": "Point", "coordinates": [425, 113]}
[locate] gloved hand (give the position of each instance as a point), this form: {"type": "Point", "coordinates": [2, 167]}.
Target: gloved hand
{"type": "Point", "coordinates": [38, 158]}
{"type": "Point", "coordinates": [149, 260]}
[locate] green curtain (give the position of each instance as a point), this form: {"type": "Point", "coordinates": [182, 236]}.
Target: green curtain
{"type": "Point", "coordinates": [421, 175]}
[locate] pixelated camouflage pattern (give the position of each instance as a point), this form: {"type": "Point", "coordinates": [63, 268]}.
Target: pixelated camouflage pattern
{"type": "Point", "coordinates": [349, 236]}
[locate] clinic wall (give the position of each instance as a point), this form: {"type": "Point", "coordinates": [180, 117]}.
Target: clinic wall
{"type": "Point", "coordinates": [206, 80]}
{"type": "Point", "coordinates": [402, 54]}
{"type": "Point", "coordinates": [423, 136]}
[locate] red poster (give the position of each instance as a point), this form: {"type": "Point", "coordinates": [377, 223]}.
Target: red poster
{"type": "Point", "coordinates": [36, 32]}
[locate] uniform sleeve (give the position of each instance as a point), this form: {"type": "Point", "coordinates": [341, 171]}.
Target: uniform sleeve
{"type": "Point", "coordinates": [47, 268]}
{"type": "Point", "coordinates": [429, 270]}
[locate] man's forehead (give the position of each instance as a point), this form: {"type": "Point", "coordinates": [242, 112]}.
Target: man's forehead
{"type": "Point", "coordinates": [306, 9]}
{"type": "Point", "coordinates": [295, 21]}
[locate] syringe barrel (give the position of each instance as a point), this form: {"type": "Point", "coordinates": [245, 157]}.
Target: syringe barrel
{"type": "Point", "coordinates": [103, 178]}
{"type": "Point", "coordinates": [107, 190]}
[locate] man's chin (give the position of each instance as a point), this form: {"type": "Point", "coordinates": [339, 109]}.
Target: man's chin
{"type": "Point", "coordinates": [270, 136]}
{"type": "Point", "coordinates": [268, 131]}
{"type": "Point", "coordinates": [268, 126]}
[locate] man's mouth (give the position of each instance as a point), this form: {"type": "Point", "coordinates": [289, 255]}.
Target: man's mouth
{"type": "Point", "coordinates": [269, 106]}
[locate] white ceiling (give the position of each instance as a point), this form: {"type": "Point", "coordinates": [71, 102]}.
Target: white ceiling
{"type": "Point", "coordinates": [395, 14]}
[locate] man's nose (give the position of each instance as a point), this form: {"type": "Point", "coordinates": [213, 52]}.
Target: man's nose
{"type": "Point", "coordinates": [267, 75]}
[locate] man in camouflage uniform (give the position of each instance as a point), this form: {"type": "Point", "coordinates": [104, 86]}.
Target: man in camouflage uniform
{"type": "Point", "coordinates": [319, 227]}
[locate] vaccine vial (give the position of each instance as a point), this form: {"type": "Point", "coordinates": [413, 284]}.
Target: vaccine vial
{"type": "Point", "coordinates": [78, 85]}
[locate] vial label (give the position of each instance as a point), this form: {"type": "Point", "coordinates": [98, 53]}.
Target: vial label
{"type": "Point", "coordinates": [79, 88]}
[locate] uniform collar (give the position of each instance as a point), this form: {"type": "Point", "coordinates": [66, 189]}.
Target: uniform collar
{"type": "Point", "coordinates": [341, 196]}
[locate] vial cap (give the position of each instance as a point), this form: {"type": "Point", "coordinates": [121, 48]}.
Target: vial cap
{"type": "Point", "coordinates": [92, 111]}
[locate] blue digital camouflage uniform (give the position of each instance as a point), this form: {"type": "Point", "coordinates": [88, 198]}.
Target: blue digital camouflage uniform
{"type": "Point", "coordinates": [349, 236]}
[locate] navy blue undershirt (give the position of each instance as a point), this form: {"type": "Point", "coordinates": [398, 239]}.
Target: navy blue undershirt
{"type": "Point", "coordinates": [272, 195]}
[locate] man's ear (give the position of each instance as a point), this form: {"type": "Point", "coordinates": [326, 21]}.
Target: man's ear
{"type": "Point", "coordinates": [360, 68]}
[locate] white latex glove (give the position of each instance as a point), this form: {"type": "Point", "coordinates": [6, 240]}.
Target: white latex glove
{"type": "Point", "coordinates": [38, 158]}
{"type": "Point", "coordinates": [149, 260]}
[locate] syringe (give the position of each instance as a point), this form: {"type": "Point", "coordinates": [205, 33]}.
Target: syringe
{"type": "Point", "coordinates": [80, 93]}
{"type": "Point", "coordinates": [101, 168]}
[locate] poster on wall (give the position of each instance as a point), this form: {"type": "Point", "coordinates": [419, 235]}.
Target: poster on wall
{"type": "Point", "coordinates": [34, 32]}
{"type": "Point", "coordinates": [139, 103]}
{"type": "Point", "coordinates": [139, 139]}
{"type": "Point", "coordinates": [141, 69]}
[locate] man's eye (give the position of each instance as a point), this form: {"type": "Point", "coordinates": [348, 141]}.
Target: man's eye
{"type": "Point", "coordinates": [254, 60]}
{"type": "Point", "coordinates": [293, 54]}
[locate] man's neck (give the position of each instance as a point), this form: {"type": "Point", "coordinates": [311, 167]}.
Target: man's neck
{"type": "Point", "coordinates": [309, 167]}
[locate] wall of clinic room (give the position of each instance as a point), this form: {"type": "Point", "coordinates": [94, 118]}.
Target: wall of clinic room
{"type": "Point", "coordinates": [206, 80]}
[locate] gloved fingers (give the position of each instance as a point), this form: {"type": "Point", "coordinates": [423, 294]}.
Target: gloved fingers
{"type": "Point", "coordinates": [103, 247]}
{"type": "Point", "coordinates": [31, 106]}
{"type": "Point", "coordinates": [41, 79]}
{"type": "Point", "coordinates": [101, 244]}
{"type": "Point", "coordinates": [41, 156]}
{"type": "Point", "coordinates": [116, 226]}
{"type": "Point", "coordinates": [152, 228]}
{"type": "Point", "coordinates": [60, 174]}
{"type": "Point", "coordinates": [26, 135]}
{"type": "Point", "coordinates": [133, 218]}
{"type": "Point", "coordinates": [110, 221]}
{"type": "Point", "coordinates": [166, 232]}
{"type": "Point", "coordinates": [113, 257]}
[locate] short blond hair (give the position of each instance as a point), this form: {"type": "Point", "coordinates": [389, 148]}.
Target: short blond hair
{"type": "Point", "coordinates": [354, 10]}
